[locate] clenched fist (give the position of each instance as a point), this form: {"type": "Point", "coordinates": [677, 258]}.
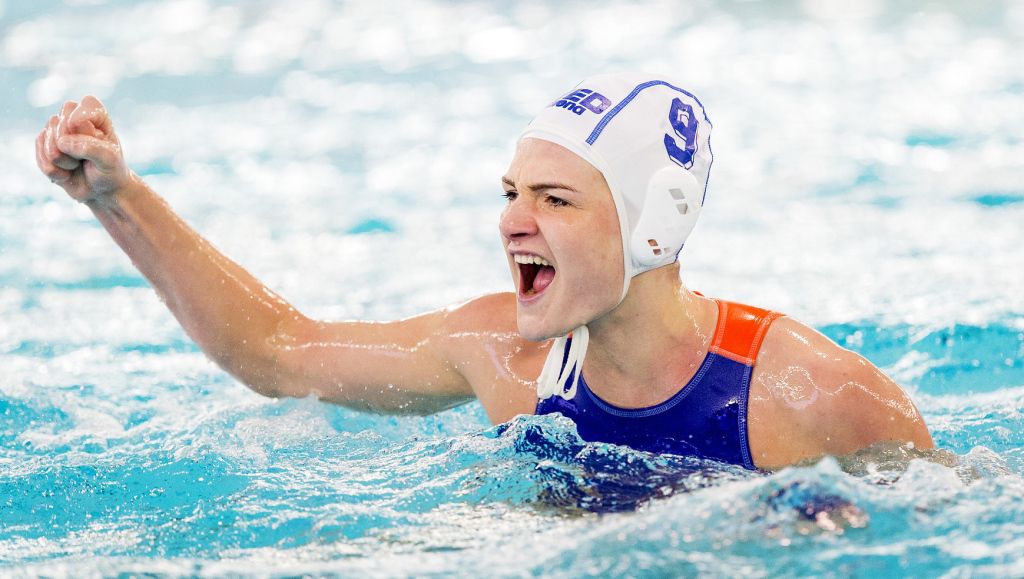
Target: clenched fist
{"type": "Point", "coordinates": [79, 151]}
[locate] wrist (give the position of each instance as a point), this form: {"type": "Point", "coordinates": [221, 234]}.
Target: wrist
{"type": "Point", "coordinates": [131, 187]}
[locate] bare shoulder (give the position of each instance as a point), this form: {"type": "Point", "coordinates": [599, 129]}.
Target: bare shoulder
{"type": "Point", "coordinates": [810, 397]}
{"type": "Point", "coordinates": [484, 345]}
{"type": "Point", "coordinates": [481, 320]}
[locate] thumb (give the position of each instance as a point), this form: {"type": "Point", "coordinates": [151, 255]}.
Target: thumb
{"type": "Point", "coordinates": [104, 154]}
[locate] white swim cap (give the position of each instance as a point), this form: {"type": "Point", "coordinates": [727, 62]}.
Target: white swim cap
{"type": "Point", "coordinates": [651, 141]}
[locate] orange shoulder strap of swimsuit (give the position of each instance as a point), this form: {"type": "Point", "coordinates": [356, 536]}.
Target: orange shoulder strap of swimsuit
{"type": "Point", "coordinates": [740, 331]}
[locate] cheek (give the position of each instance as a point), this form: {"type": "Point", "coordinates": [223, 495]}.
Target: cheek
{"type": "Point", "coordinates": [606, 224]}
{"type": "Point", "coordinates": [612, 269]}
{"type": "Point", "coordinates": [611, 250]}
{"type": "Point", "coordinates": [598, 265]}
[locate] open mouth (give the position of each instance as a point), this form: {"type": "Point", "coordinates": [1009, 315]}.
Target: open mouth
{"type": "Point", "coordinates": [535, 274]}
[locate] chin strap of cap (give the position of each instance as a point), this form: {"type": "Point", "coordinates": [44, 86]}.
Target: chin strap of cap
{"type": "Point", "coordinates": [555, 375]}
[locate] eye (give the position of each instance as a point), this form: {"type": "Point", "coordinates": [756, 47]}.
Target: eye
{"type": "Point", "coordinates": [509, 195]}
{"type": "Point", "coordinates": [557, 201]}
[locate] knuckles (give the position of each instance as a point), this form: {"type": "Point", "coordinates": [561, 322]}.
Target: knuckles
{"type": "Point", "coordinates": [87, 118]}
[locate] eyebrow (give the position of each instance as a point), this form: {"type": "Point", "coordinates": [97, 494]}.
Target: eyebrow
{"type": "Point", "coordinates": [541, 186]}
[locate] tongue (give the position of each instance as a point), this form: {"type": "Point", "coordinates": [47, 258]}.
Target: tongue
{"type": "Point", "coordinates": [543, 278]}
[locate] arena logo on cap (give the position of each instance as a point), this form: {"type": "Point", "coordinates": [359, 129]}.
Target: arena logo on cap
{"type": "Point", "coordinates": [582, 100]}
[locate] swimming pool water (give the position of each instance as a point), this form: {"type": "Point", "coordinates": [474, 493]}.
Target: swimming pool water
{"type": "Point", "coordinates": [867, 180]}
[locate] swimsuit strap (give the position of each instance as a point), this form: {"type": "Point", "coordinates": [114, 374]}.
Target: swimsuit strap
{"type": "Point", "coordinates": [740, 331]}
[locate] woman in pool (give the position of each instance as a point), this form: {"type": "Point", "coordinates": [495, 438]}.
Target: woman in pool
{"type": "Point", "coordinates": [605, 185]}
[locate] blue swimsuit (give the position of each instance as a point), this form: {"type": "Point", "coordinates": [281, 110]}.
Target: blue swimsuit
{"type": "Point", "coordinates": [707, 418]}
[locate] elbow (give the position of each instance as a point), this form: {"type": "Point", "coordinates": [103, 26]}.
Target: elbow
{"type": "Point", "coordinates": [270, 365]}
{"type": "Point", "coordinates": [270, 388]}
{"type": "Point", "coordinates": [262, 372]}
{"type": "Point", "coordinates": [284, 382]}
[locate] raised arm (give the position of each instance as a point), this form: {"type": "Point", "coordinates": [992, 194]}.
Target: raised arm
{"type": "Point", "coordinates": [243, 326]}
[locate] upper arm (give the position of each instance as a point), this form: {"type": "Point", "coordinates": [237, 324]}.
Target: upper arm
{"type": "Point", "coordinates": [811, 397]}
{"type": "Point", "coordinates": [415, 365]}
{"type": "Point", "coordinates": [869, 407]}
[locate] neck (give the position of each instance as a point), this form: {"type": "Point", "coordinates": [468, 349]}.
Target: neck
{"type": "Point", "coordinates": [649, 346]}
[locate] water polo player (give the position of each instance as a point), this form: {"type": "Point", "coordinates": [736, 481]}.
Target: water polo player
{"type": "Point", "coordinates": [604, 188]}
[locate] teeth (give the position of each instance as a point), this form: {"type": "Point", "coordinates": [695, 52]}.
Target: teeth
{"type": "Point", "coordinates": [536, 259]}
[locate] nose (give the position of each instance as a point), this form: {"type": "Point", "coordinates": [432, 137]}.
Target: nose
{"type": "Point", "coordinates": [517, 220]}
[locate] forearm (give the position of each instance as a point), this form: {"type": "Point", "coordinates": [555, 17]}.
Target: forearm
{"type": "Point", "coordinates": [230, 314]}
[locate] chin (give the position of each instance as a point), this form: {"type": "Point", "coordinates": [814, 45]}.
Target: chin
{"type": "Point", "coordinates": [536, 330]}
{"type": "Point", "coordinates": [532, 333]}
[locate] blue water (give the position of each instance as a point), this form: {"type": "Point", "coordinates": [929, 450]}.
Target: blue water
{"type": "Point", "coordinates": [867, 181]}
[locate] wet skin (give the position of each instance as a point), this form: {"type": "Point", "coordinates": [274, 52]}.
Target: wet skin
{"type": "Point", "coordinates": [809, 397]}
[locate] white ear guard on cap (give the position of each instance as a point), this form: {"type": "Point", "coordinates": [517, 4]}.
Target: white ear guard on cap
{"type": "Point", "coordinates": [670, 211]}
